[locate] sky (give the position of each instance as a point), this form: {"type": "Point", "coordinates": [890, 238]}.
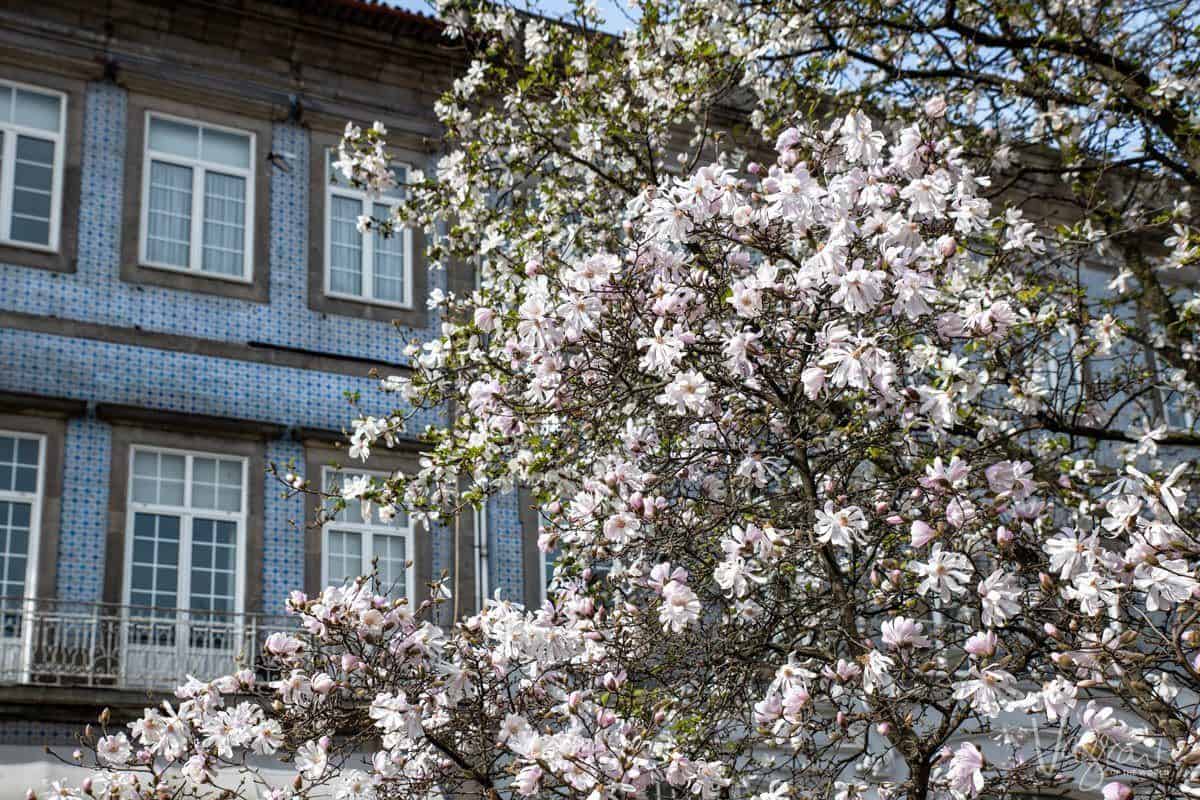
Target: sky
{"type": "Point", "coordinates": [614, 11]}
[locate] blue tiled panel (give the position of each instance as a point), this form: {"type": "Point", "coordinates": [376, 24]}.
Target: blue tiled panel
{"type": "Point", "coordinates": [86, 467]}
{"type": "Point", "coordinates": [94, 293]}
{"type": "Point", "coordinates": [38, 363]}
{"type": "Point", "coordinates": [283, 534]}
{"type": "Point", "coordinates": [86, 369]}
{"type": "Point", "coordinates": [504, 546]}
{"type": "Point", "coordinates": [60, 735]}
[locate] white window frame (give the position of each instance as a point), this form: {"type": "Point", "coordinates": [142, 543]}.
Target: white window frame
{"type": "Point", "coordinates": [365, 205]}
{"type": "Point", "coordinates": [8, 161]}
{"type": "Point", "coordinates": [187, 514]}
{"type": "Point", "coordinates": [1189, 417]}
{"type": "Point", "coordinates": [545, 564]}
{"type": "Point", "coordinates": [35, 499]}
{"type": "Point", "coordinates": [199, 168]}
{"type": "Point", "coordinates": [368, 530]}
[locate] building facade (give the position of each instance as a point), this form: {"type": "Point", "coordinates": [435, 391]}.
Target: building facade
{"type": "Point", "coordinates": [185, 301]}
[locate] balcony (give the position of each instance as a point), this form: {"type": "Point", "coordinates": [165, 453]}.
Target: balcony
{"type": "Point", "coordinates": [52, 643]}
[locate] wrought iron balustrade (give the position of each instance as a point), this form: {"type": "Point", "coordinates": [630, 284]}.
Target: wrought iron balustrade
{"type": "Point", "coordinates": [63, 643]}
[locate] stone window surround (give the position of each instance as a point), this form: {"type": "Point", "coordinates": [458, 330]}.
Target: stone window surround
{"type": "Point", "coordinates": [202, 109]}
{"type": "Point", "coordinates": [54, 429]}
{"type": "Point", "coordinates": [128, 435]}
{"type": "Point", "coordinates": [415, 317]}
{"type": "Point", "coordinates": [64, 259]}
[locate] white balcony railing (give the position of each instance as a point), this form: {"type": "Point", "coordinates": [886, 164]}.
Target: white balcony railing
{"type": "Point", "coordinates": [60, 643]}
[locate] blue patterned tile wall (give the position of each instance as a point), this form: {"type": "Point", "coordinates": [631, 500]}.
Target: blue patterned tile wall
{"type": "Point", "coordinates": [84, 509]}
{"type": "Point", "coordinates": [94, 292]}
{"type": "Point", "coordinates": [101, 372]}
{"type": "Point", "coordinates": [60, 735]}
{"type": "Point", "coordinates": [283, 534]}
{"type": "Point", "coordinates": [504, 547]}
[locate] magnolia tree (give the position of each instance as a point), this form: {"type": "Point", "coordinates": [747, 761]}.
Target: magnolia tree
{"type": "Point", "coordinates": [832, 445]}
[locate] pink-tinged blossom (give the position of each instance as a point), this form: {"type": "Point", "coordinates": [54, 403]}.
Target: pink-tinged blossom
{"type": "Point", "coordinates": [902, 633]}
{"type": "Point", "coordinates": [981, 644]}
{"type": "Point", "coordinates": [680, 607]}
{"type": "Point", "coordinates": [842, 527]}
{"type": "Point", "coordinates": [922, 533]}
{"type": "Point", "coordinates": [986, 689]}
{"type": "Point", "coordinates": [944, 575]}
{"type": "Point", "coordinates": [965, 772]}
{"type": "Point", "coordinates": [1000, 595]}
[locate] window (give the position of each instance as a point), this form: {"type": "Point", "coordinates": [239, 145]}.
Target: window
{"type": "Point", "coordinates": [32, 124]}
{"type": "Point", "coordinates": [354, 546]}
{"type": "Point", "coordinates": [20, 508]}
{"type": "Point", "coordinates": [547, 562]}
{"type": "Point", "coordinates": [197, 198]}
{"type": "Point", "coordinates": [184, 544]}
{"type": "Point", "coordinates": [369, 267]}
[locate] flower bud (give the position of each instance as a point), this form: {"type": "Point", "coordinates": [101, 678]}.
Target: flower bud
{"type": "Point", "coordinates": [1116, 791]}
{"type": "Point", "coordinates": [947, 246]}
{"type": "Point", "coordinates": [485, 319]}
{"type": "Point", "coordinates": [1004, 535]}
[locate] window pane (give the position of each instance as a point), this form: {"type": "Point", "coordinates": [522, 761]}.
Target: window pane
{"type": "Point", "coordinates": [389, 262]}
{"type": "Point", "coordinates": [214, 543]}
{"type": "Point", "coordinates": [37, 110]}
{"type": "Point", "coordinates": [158, 478]}
{"type": "Point", "coordinates": [6, 101]}
{"type": "Point", "coordinates": [178, 138]}
{"type": "Point", "coordinates": [548, 560]}
{"type": "Point", "coordinates": [154, 573]}
{"type": "Point", "coordinates": [14, 543]}
{"type": "Point", "coordinates": [27, 452]}
{"type": "Point", "coordinates": [33, 185]}
{"type": "Point", "coordinates": [345, 246]}
{"type": "Point", "coordinates": [18, 464]}
{"type": "Point", "coordinates": [25, 479]}
{"type": "Point", "coordinates": [169, 214]}
{"type": "Point", "coordinates": [401, 176]}
{"type": "Point", "coordinates": [230, 473]}
{"type": "Point", "coordinates": [391, 557]}
{"type": "Point", "coordinates": [217, 484]}
{"type": "Point", "coordinates": [223, 147]}
{"type": "Point", "coordinates": [224, 223]}
{"type": "Point", "coordinates": [343, 557]}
